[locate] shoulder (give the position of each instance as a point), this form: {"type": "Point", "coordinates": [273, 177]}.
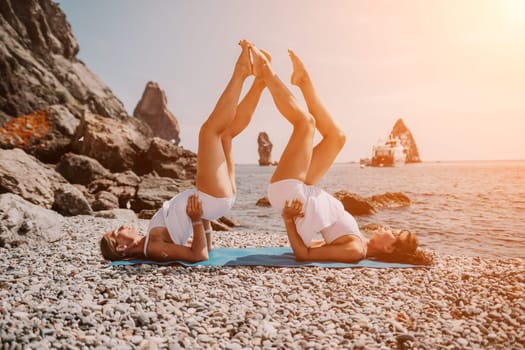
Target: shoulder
{"type": "Point", "coordinates": [159, 234]}
{"type": "Point", "coordinates": [351, 246]}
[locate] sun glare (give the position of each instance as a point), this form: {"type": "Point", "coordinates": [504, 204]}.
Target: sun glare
{"type": "Point", "coordinates": [515, 11]}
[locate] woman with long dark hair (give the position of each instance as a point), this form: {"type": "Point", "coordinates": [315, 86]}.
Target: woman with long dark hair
{"type": "Point", "coordinates": [307, 209]}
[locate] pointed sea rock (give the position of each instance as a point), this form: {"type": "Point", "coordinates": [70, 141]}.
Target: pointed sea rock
{"type": "Point", "coordinates": [265, 149]}
{"type": "Point", "coordinates": [153, 109]}
{"type": "Point", "coordinates": [407, 140]}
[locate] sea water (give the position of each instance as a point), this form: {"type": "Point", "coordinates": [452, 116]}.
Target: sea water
{"type": "Point", "coordinates": [474, 208]}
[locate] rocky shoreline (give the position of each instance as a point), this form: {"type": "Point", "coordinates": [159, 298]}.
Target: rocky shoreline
{"type": "Point", "coordinates": [63, 295]}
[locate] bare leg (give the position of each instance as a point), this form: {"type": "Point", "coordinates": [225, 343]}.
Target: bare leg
{"type": "Point", "coordinates": [295, 160]}
{"type": "Point", "coordinates": [245, 111]}
{"type": "Point", "coordinates": [212, 171]}
{"type": "Point", "coordinates": [333, 140]}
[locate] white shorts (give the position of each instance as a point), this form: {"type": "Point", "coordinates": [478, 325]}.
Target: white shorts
{"type": "Point", "coordinates": [319, 207]}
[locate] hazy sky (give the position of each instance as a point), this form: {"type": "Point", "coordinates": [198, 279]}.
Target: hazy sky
{"type": "Point", "coordinates": [454, 70]}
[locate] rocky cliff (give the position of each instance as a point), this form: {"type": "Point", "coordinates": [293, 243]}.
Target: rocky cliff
{"type": "Point", "coordinates": [66, 142]}
{"type": "Point", "coordinates": [407, 140]}
{"type": "Point", "coordinates": [38, 64]}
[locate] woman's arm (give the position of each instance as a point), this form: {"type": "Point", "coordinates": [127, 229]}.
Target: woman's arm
{"type": "Point", "coordinates": [299, 249]}
{"type": "Point", "coordinates": [349, 251]}
{"type": "Point", "coordinates": [198, 251]}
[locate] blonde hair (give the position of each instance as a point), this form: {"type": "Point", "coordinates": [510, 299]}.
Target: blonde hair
{"type": "Point", "coordinates": [108, 248]}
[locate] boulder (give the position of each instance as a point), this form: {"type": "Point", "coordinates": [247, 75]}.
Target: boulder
{"type": "Point", "coordinates": [217, 225]}
{"type": "Point", "coordinates": [24, 222]}
{"type": "Point", "coordinates": [263, 202]}
{"type": "Point", "coordinates": [38, 64]}
{"type": "Point", "coordinates": [223, 223]}
{"type": "Point", "coordinates": [124, 194]}
{"type": "Point", "coordinates": [38, 183]}
{"type": "Point", "coordinates": [70, 201]}
{"type": "Point", "coordinates": [355, 204]}
{"type": "Point", "coordinates": [169, 160]}
{"type": "Point", "coordinates": [407, 140]}
{"type": "Point", "coordinates": [105, 200]}
{"type": "Point", "coordinates": [100, 185]}
{"type": "Point", "coordinates": [153, 109]}
{"type": "Point", "coordinates": [125, 187]}
{"type": "Point", "coordinates": [127, 178]}
{"type": "Point", "coordinates": [122, 185]}
{"type": "Point", "coordinates": [46, 134]}
{"type": "Point", "coordinates": [153, 191]}
{"type": "Point", "coordinates": [265, 149]}
{"type": "Point", "coordinates": [228, 221]}
{"type": "Point", "coordinates": [118, 145]}
{"type": "Point", "coordinates": [79, 169]}
{"type": "Point", "coordinates": [389, 200]}
{"type": "Point", "coordinates": [23, 175]}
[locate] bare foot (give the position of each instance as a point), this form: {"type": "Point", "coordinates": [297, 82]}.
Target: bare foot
{"type": "Point", "coordinates": [299, 75]}
{"type": "Point", "coordinates": [244, 65]}
{"type": "Point", "coordinates": [259, 79]}
{"type": "Point", "coordinates": [261, 64]}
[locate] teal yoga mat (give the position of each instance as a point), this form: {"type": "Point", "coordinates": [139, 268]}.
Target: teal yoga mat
{"type": "Point", "coordinates": [264, 256]}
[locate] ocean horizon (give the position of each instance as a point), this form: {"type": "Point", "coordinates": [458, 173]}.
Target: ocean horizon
{"type": "Point", "coordinates": [425, 161]}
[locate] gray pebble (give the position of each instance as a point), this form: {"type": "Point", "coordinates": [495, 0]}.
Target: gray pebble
{"type": "Point", "coordinates": [64, 296]}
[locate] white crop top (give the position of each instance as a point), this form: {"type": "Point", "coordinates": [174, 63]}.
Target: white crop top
{"type": "Point", "coordinates": [172, 215]}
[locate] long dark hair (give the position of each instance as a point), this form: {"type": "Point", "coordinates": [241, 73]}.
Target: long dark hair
{"type": "Point", "coordinates": [406, 251]}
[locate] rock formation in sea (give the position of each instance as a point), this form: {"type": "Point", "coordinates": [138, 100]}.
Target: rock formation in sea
{"type": "Point", "coordinates": [263, 202]}
{"type": "Point", "coordinates": [265, 149]}
{"type": "Point", "coordinates": [401, 131]}
{"type": "Point", "coordinates": [153, 109]}
{"type": "Point", "coordinates": [357, 205]}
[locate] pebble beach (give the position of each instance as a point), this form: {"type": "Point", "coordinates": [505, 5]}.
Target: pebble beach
{"type": "Point", "coordinates": [64, 295]}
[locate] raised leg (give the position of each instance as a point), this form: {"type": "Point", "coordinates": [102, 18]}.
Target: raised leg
{"type": "Point", "coordinates": [213, 176]}
{"type": "Point", "coordinates": [295, 160]}
{"type": "Point", "coordinates": [244, 114]}
{"type": "Point", "coordinates": [328, 148]}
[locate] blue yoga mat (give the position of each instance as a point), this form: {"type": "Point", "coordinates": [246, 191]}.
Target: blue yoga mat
{"type": "Point", "coordinates": [265, 256]}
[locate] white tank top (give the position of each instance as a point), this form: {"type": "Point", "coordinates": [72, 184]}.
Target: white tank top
{"type": "Point", "coordinates": [345, 225]}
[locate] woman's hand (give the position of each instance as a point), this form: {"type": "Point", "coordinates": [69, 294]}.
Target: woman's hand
{"type": "Point", "coordinates": [194, 207]}
{"type": "Point", "coordinates": [292, 210]}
